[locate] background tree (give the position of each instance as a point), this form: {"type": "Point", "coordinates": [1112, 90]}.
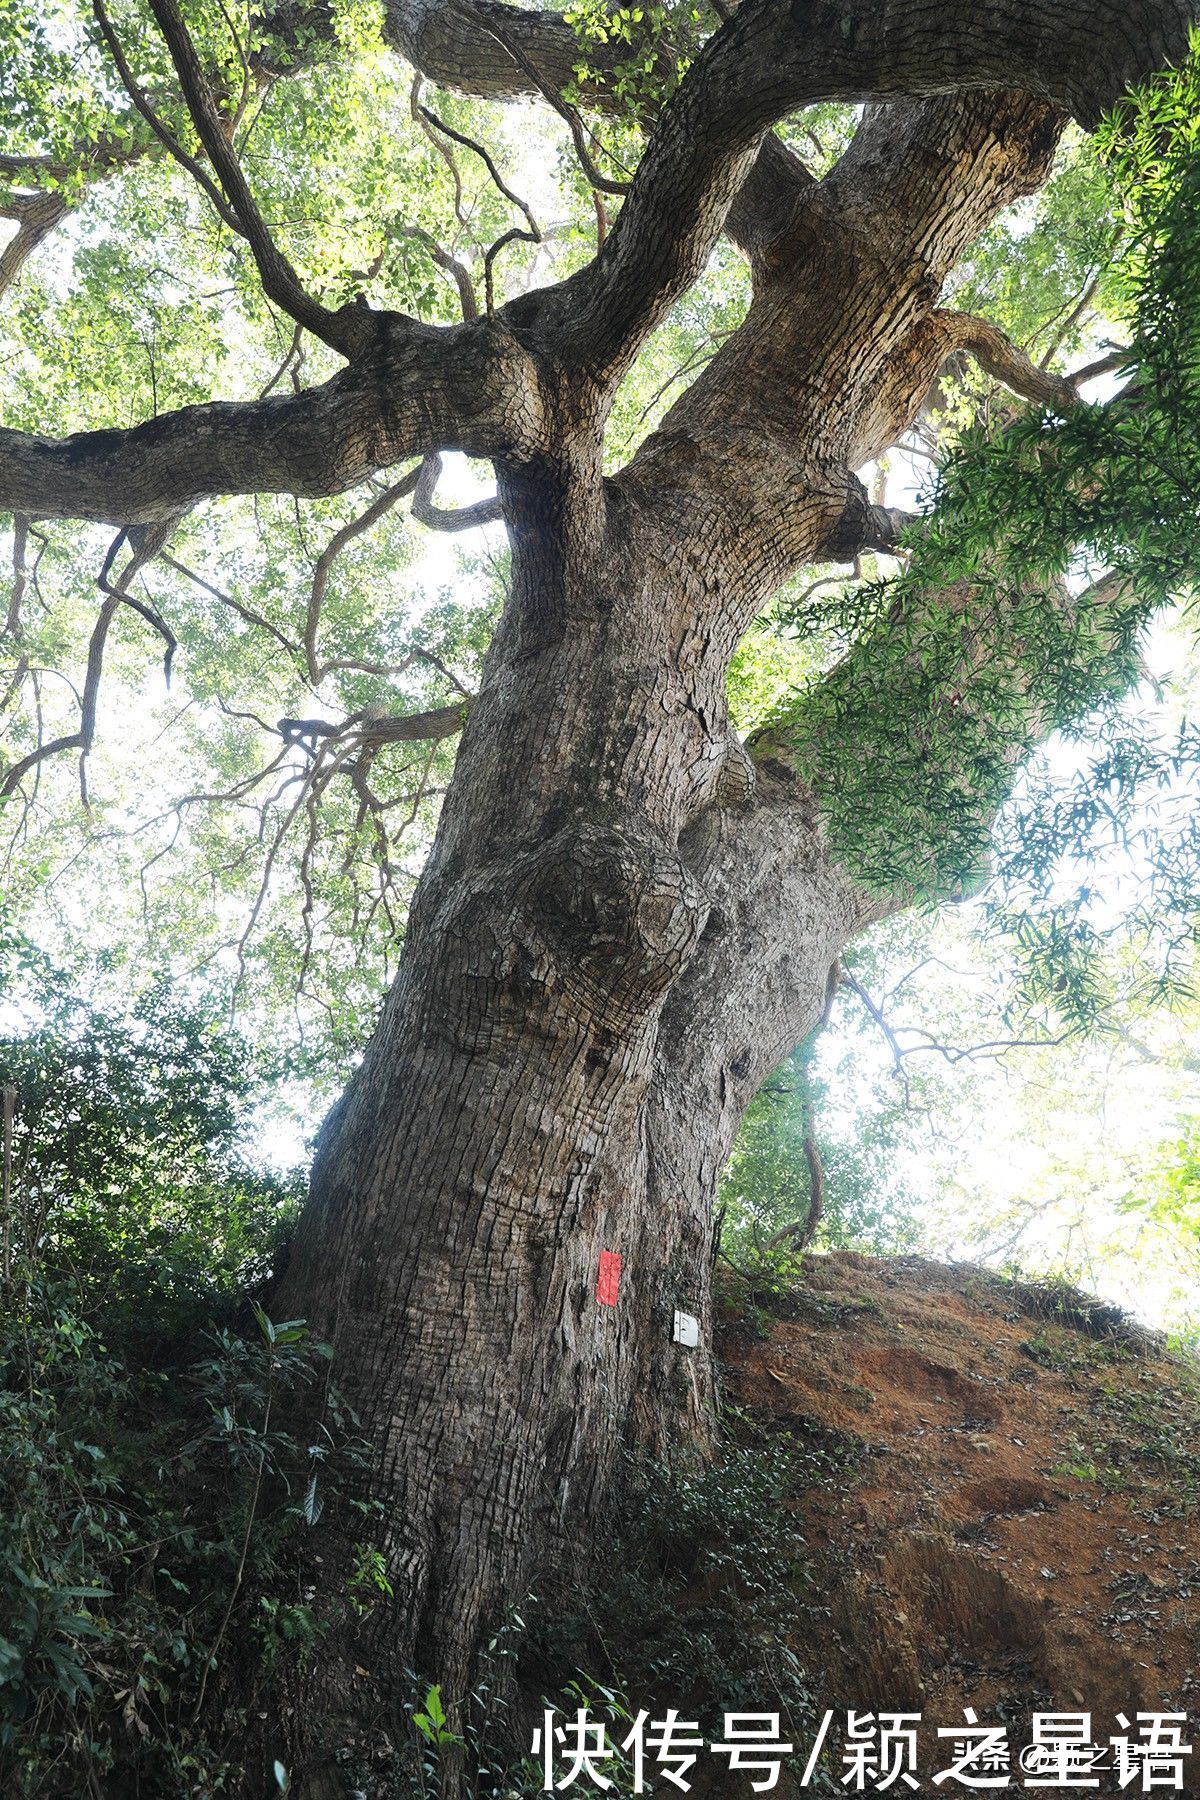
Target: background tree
{"type": "Point", "coordinates": [628, 916]}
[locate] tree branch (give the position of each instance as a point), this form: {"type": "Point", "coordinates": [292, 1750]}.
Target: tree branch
{"type": "Point", "coordinates": [491, 23]}
{"type": "Point", "coordinates": [458, 272]}
{"type": "Point", "coordinates": [318, 670]}
{"type": "Point", "coordinates": [485, 156]}
{"type": "Point", "coordinates": [487, 50]}
{"type": "Point", "coordinates": [439, 518]}
{"type": "Point", "coordinates": [146, 548]}
{"type": "Point", "coordinates": [464, 387]}
{"type": "Point", "coordinates": [351, 329]}
{"type": "Point", "coordinates": [36, 216]}
{"type": "Point", "coordinates": [1005, 362]}
{"type": "Point", "coordinates": [166, 138]}
{"type": "Point", "coordinates": [772, 58]}
{"type": "Point", "coordinates": [371, 727]}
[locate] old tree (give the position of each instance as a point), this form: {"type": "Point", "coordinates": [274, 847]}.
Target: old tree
{"type": "Point", "coordinates": [628, 915]}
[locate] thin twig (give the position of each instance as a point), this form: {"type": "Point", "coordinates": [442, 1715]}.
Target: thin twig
{"type": "Point", "coordinates": [324, 567]}
{"type": "Point", "coordinates": [490, 23]}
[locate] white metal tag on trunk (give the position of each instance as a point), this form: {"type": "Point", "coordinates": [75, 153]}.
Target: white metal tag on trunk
{"type": "Point", "coordinates": [686, 1330]}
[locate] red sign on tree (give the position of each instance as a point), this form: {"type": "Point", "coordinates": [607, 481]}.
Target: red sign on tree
{"type": "Point", "coordinates": [609, 1277]}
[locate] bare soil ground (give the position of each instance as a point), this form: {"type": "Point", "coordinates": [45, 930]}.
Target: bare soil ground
{"type": "Point", "coordinates": [1021, 1527]}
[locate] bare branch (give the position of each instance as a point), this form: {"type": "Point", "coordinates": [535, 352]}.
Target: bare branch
{"type": "Point", "coordinates": [1110, 363]}
{"type": "Point", "coordinates": [12, 623]}
{"type": "Point", "coordinates": [439, 518]}
{"type": "Point", "coordinates": [1004, 361]}
{"type": "Point", "coordinates": [458, 271]}
{"type": "Point", "coordinates": [368, 727]}
{"type": "Point", "coordinates": [446, 154]}
{"type": "Point", "coordinates": [469, 143]}
{"type": "Point", "coordinates": [516, 235]}
{"type": "Point", "coordinates": [152, 617]}
{"type": "Point", "coordinates": [317, 670]}
{"type": "Point", "coordinates": [246, 613]}
{"type": "Point", "coordinates": [293, 357]}
{"type": "Point", "coordinates": [456, 48]}
{"type": "Point", "coordinates": [150, 542]}
{"type": "Point", "coordinates": [889, 1036]}
{"type": "Point", "coordinates": [533, 235]}
{"type": "Point", "coordinates": [490, 22]}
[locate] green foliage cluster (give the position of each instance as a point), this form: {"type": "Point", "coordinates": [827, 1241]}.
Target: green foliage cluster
{"type": "Point", "coordinates": [129, 1181]}
{"type": "Point", "coordinates": [487, 1744]}
{"type": "Point", "coordinates": [1172, 1197]}
{"type": "Point", "coordinates": [152, 1527]}
{"type": "Point", "coordinates": [156, 1480]}
{"type": "Point", "coordinates": [695, 1596]}
{"type": "Point", "coordinates": [640, 77]}
{"type": "Point", "coordinates": [766, 1184]}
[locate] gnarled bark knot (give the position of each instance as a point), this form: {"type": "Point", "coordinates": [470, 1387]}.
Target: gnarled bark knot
{"type": "Point", "coordinates": [595, 923]}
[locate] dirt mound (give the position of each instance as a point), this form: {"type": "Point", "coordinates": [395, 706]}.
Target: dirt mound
{"type": "Point", "coordinates": [1020, 1529]}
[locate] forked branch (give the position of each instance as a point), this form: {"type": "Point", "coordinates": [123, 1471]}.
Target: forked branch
{"type": "Point", "coordinates": [116, 593]}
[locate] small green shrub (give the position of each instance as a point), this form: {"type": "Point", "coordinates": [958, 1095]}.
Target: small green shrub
{"type": "Point", "coordinates": [152, 1527]}
{"type": "Point", "coordinates": [156, 1490]}
{"type": "Point", "coordinates": [129, 1182]}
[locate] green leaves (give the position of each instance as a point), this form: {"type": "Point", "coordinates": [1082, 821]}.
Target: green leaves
{"type": "Point", "coordinates": [126, 1160]}
{"type": "Point", "coordinates": [638, 75]}
{"type": "Point", "coordinates": [124, 1559]}
{"type": "Point", "coordinates": [431, 1720]}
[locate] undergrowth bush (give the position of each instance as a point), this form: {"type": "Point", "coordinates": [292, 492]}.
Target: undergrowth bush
{"type": "Point", "coordinates": [697, 1597]}
{"type": "Point", "coordinates": [156, 1490]}
{"type": "Point", "coordinates": [129, 1183]}
{"type": "Point", "coordinates": [152, 1526]}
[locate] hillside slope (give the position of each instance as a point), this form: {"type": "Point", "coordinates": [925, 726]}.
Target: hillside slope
{"type": "Point", "coordinates": [1021, 1527]}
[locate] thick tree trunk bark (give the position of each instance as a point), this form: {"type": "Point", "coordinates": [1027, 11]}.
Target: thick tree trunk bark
{"type": "Point", "coordinates": [560, 1072]}
{"type": "Point", "coordinates": [622, 928]}
{"type": "Point", "coordinates": [625, 923]}
{"type": "Point", "coordinates": [501, 1133]}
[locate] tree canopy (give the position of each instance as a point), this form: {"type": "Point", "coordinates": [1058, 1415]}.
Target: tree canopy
{"type": "Point", "coordinates": [282, 855]}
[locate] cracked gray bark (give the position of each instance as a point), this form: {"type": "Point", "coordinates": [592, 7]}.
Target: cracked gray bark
{"type": "Point", "coordinates": [626, 920]}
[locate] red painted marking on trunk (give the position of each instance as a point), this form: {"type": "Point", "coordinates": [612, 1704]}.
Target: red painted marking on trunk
{"type": "Point", "coordinates": [609, 1277]}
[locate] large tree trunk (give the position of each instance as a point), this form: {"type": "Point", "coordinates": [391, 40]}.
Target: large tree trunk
{"type": "Point", "coordinates": [625, 922]}
{"type": "Point", "coordinates": [516, 1113]}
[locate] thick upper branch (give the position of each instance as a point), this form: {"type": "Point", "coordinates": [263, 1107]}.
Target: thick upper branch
{"type": "Point", "coordinates": [467, 387]}
{"type": "Point", "coordinates": [472, 388]}
{"type": "Point", "coordinates": [773, 57]}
